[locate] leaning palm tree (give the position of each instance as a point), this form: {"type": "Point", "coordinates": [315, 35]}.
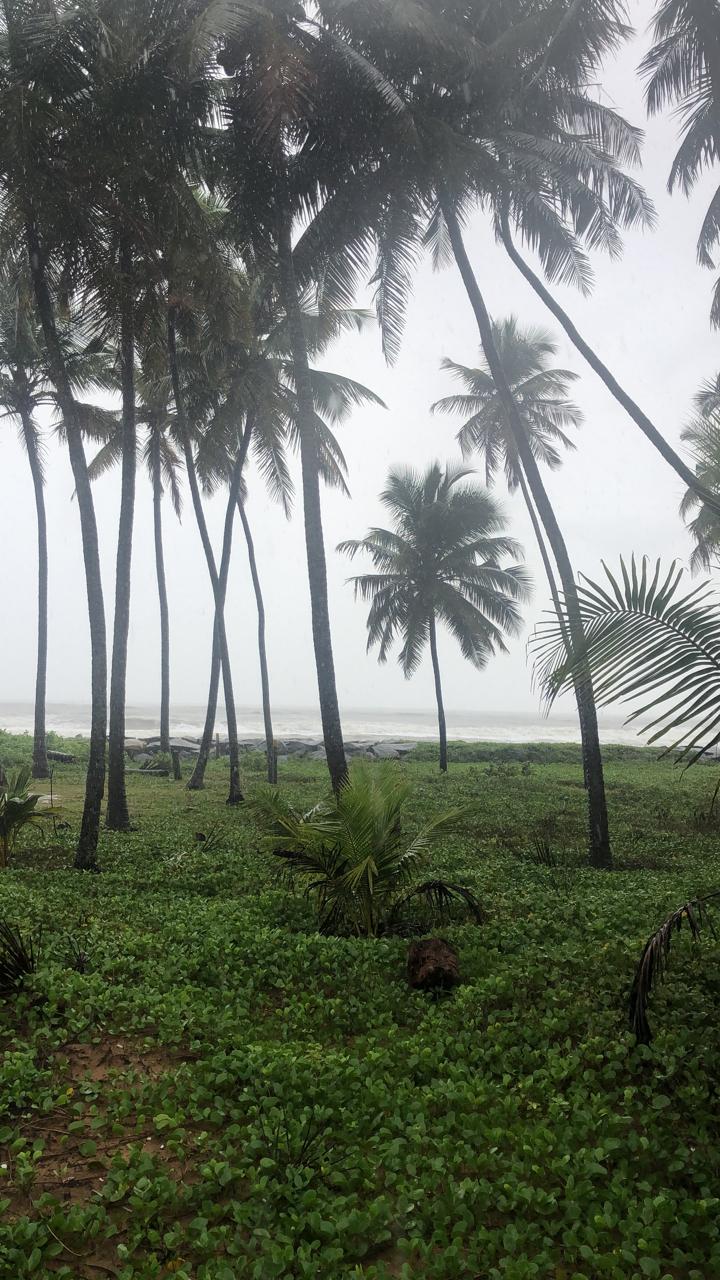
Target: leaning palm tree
{"type": "Point", "coordinates": [541, 393]}
{"type": "Point", "coordinates": [702, 435]}
{"type": "Point", "coordinates": [442, 562]}
{"type": "Point", "coordinates": [683, 71]}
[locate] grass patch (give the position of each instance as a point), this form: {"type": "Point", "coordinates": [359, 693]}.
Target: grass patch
{"type": "Point", "coordinates": [214, 1090]}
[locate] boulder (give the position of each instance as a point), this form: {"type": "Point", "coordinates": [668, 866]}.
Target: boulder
{"type": "Point", "coordinates": [143, 757]}
{"type": "Point", "coordinates": [300, 746]}
{"type": "Point", "coordinates": [432, 965]}
{"type": "Point", "coordinates": [134, 744]}
{"type": "Point", "coordinates": [317, 754]}
{"type": "Point", "coordinates": [385, 751]}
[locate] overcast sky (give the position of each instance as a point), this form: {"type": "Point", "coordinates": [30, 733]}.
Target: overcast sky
{"type": "Point", "coordinates": [647, 317]}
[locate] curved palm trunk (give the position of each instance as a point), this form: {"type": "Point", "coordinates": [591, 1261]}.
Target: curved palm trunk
{"type": "Point", "coordinates": [162, 594]}
{"type": "Point", "coordinates": [262, 651]}
{"type": "Point", "coordinates": [438, 695]}
{"type": "Point", "coordinates": [197, 778]}
{"type": "Point", "coordinates": [641, 419]}
{"type": "Point", "coordinates": [547, 565]}
{"type": "Point", "coordinates": [314, 541]}
{"type": "Point", "coordinates": [235, 795]}
{"type": "Point", "coordinates": [117, 817]}
{"type": "Point", "coordinates": [196, 782]}
{"type": "Point", "coordinates": [599, 853]}
{"type": "Point", "coordinates": [40, 765]}
{"type": "Point", "coordinates": [86, 854]}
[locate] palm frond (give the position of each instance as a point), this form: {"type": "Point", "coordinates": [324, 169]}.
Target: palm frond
{"type": "Point", "coordinates": [653, 962]}
{"type": "Point", "coordinates": [647, 643]}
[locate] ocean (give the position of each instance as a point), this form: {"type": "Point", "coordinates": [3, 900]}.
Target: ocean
{"type": "Point", "coordinates": [71, 719]}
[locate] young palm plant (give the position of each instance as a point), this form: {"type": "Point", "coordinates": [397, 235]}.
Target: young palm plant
{"type": "Point", "coordinates": [353, 856]}
{"type": "Point", "coordinates": [442, 563]}
{"type": "Point", "coordinates": [17, 810]}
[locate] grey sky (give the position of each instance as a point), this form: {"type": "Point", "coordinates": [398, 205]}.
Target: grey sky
{"type": "Point", "coordinates": [647, 316]}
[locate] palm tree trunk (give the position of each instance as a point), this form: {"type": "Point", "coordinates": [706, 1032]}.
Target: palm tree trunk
{"type": "Point", "coordinates": [196, 782]}
{"type": "Point", "coordinates": [547, 564]}
{"type": "Point", "coordinates": [197, 778]}
{"type": "Point", "coordinates": [262, 651]}
{"type": "Point", "coordinates": [162, 592]}
{"type": "Point", "coordinates": [314, 541]}
{"type": "Point", "coordinates": [235, 795]}
{"type": "Point", "coordinates": [117, 817]}
{"type": "Point", "coordinates": [641, 419]}
{"type": "Point", "coordinates": [438, 695]}
{"type": "Point", "coordinates": [86, 853]}
{"type": "Point", "coordinates": [599, 853]}
{"type": "Point", "coordinates": [40, 765]}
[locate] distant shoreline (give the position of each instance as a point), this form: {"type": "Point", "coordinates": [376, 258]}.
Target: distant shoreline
{"type": "Point", "coordinates": [72, 720]}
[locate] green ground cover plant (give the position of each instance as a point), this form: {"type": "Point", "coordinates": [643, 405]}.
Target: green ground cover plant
{"type": "Point", "coordinates": [195, 1082]}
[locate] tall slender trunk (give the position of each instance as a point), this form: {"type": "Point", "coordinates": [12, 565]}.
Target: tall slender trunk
{"type": "Point", "coordinates": [262, 651]}
{"type": "Point", "coordinates": [641, 419]}
{"type": "Point", "coordinates": [438, 695]}
{"type": "Point", "coordinates": [547, 565]}
{"type": "Point", "coordinates": [86, 854]}
{"type": "Point", "coordinates": [40, 765]}
{"type": "Point", "coordinates": [197, 779]}
{"type": "Point", "coordinates": [235, 795]}
{"type": "Point", "coordinates": [162, 590]}
{"type": "Point", "coordinates": [117, 817]}
{"type": "Point", "coordinates": [314, 541]}
{"type": "Point", "coordinates": [599, 853]}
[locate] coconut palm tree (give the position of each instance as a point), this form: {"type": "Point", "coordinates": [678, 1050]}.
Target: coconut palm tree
{"type": "Point", "coordinates": [41, 82]}
{"type": "Point", "coordinates": [164, 468]}
{"type": "Point", "coordinates": [23, 379]}
{"type": "Point", "coordinates": [703, 437]}
{"type": "Point", "coordinates": [541, 395]}
{"type": "Point", "coordinates": [25, 391]}
{"type": "Point", "coordinates": [442, 562]}
{"type": "Point", "coordinates": [683, 71]}
{"type": "Point", "coordinates": [301, 105]}
{"type": "Point", "coordinates": [263, 392]}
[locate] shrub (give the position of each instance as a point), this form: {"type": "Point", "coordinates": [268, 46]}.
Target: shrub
{"type": "Point", "coordinates": [17, 810]}
{"type": "Point", "coordinates": [352, 854]}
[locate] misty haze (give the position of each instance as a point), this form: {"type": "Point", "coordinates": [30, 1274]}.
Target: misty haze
{"type": "Point", "coordinates": [360, 643]}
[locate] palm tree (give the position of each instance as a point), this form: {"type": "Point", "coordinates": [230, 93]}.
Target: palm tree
{"type": "Point", "coordinates": [302, 104]}
{"type": "Point", "coordinates": [259, 383]}
{"type": "Point", "coordinates": [683, 70]}
{"type": "Point", "coordinates": [703, 436]}
{"type": "Point", "coordinates": [440, 563]}
{"type": "Point", "coordinates": [270, 753]}
{"type": "Point", "coordinates": [41, 80]}
{"type": "Point", "coordinates": [23, 379]}
{"type": "Point", "coordinates": [164, 468]}
{"type": "Point", "coordinates": [541, 395]}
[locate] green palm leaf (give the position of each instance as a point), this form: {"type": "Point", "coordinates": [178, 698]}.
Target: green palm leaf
{"type": "Point", "coordinates": [649, 643]}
